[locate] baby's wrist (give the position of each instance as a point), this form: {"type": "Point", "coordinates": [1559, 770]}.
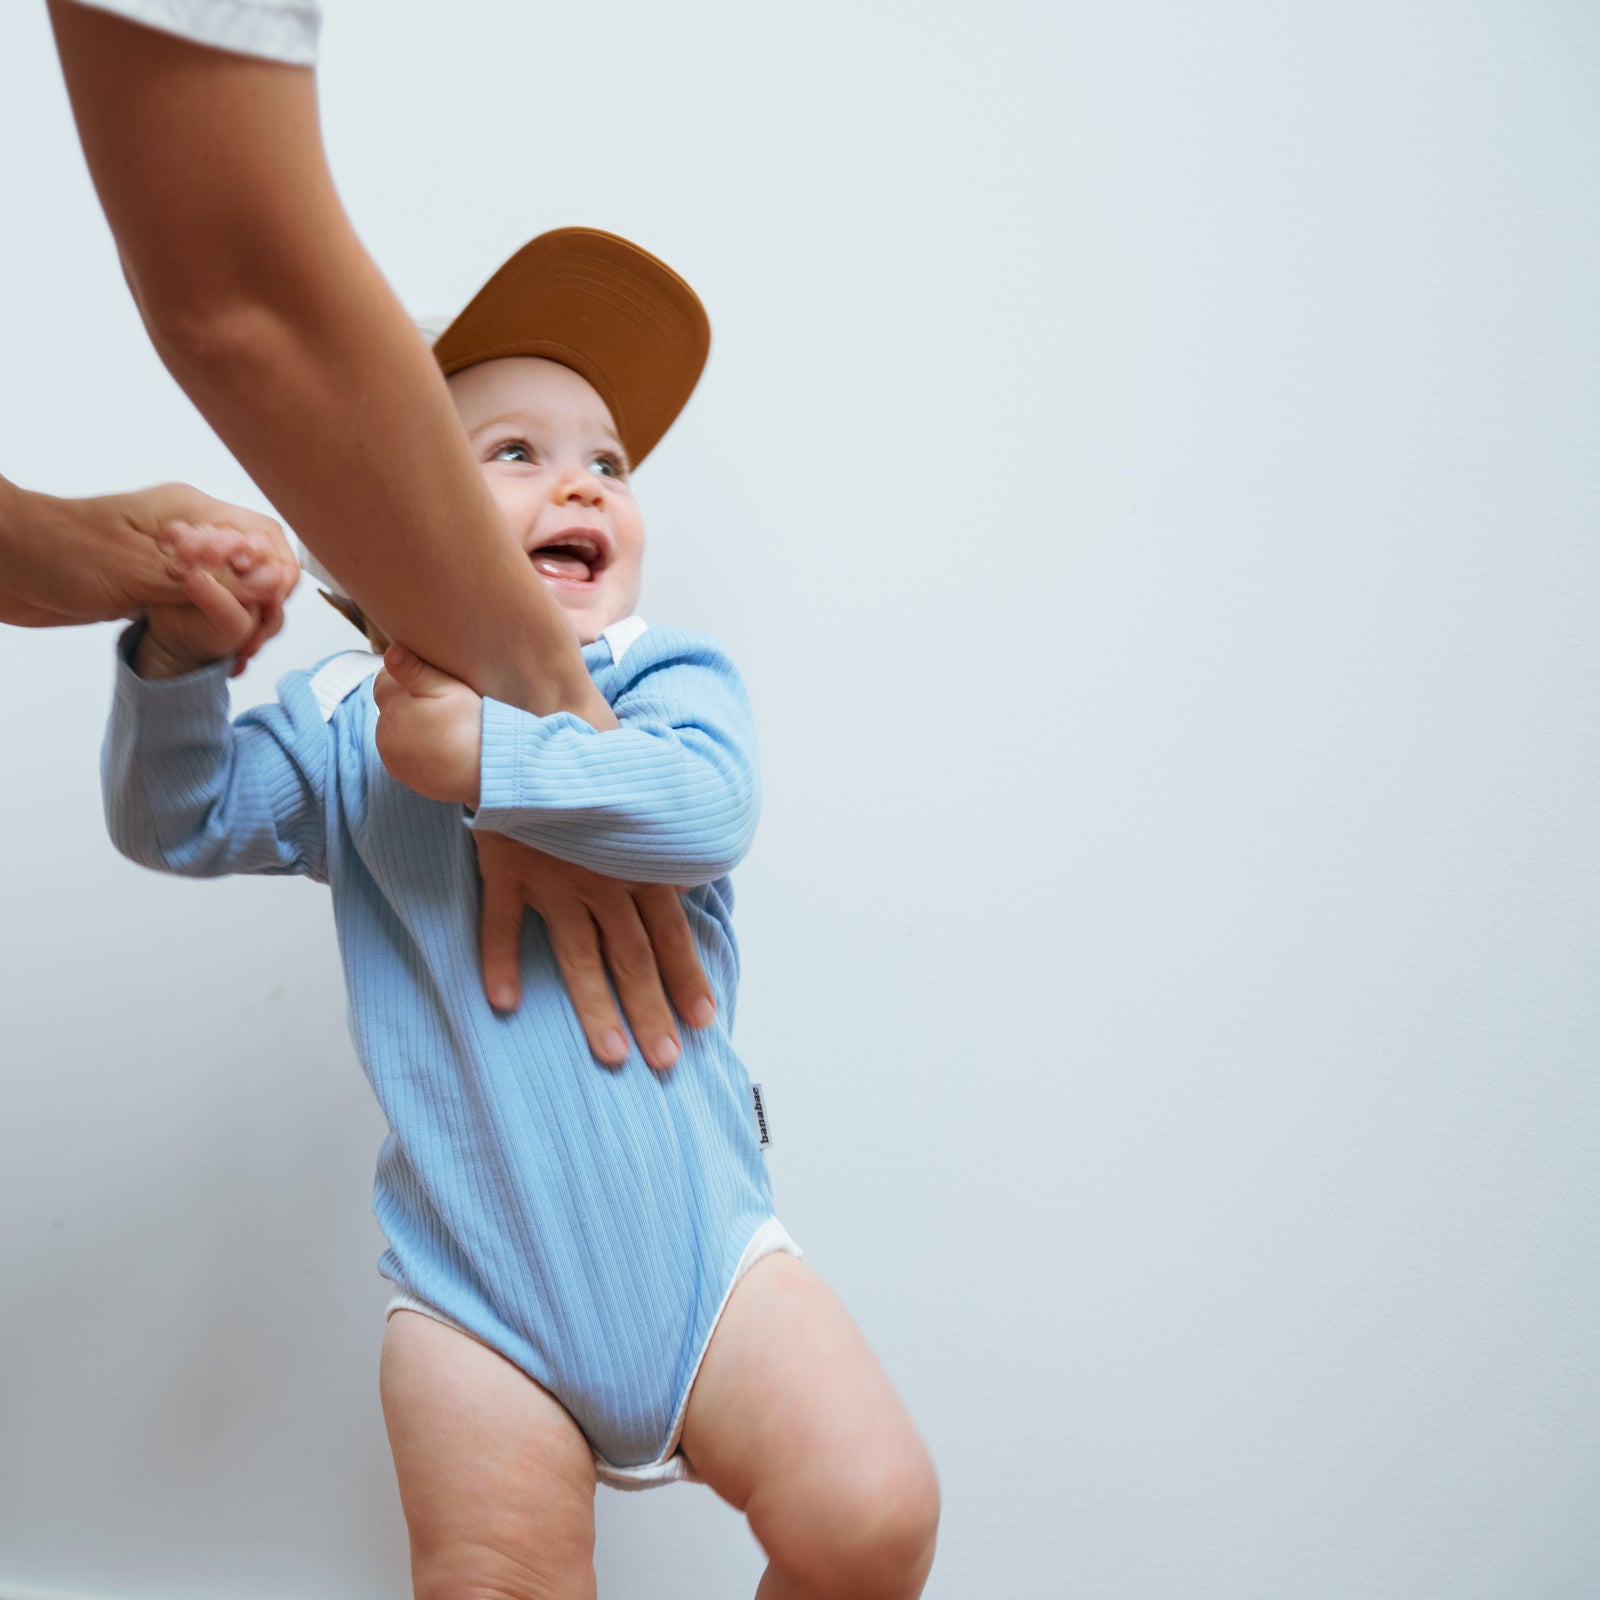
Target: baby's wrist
{"type": "Point", "coordinates": [156, 659]}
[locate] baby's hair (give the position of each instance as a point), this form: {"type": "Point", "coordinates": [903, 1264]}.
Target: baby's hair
{"type": "Point", "coordinates": [342, 603]}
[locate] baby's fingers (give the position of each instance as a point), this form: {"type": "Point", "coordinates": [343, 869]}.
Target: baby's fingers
{"type": "Point", "coordinates": [264, 569]}
{"type": "Point", "coordinates": [256, 564]}
{"type": "Point", "coordinates": [415, 675]}
{"type": "Point", "coordinates": [190, 546]}
{"type": "Point", "coordinates": [267, 624]}
{"type": "Point", "coordinates": [229, 617]}
{"type": "Point", "coordinates": [384, 689]}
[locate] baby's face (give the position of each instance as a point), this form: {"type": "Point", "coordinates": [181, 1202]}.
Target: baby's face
{"type": "Point", "coordinates": [550, 454]}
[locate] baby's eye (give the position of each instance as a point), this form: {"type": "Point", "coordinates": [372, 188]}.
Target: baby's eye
{"type": "Point", "coordinates": [511, 450]}
{"type": "Point", "coordinates": [608, 465]}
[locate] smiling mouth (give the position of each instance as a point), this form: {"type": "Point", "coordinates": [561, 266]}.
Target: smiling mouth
{"type": "Point", "coordinates": [573, 556]}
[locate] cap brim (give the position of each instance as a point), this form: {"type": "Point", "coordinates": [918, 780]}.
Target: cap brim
{"type": "Point", "coordinates": [612, 312]}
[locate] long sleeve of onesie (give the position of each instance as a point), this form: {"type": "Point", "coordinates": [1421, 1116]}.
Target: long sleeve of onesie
{"type": "Point", "coordinates": [188, 792]}
{"type": "Point", "coordinates": [670, 796]}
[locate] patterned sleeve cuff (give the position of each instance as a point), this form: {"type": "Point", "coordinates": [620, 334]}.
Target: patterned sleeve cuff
{"type": "Point", "coordinates": [510, 751]}
{"type": "Point", "coordinates": [198, 692]}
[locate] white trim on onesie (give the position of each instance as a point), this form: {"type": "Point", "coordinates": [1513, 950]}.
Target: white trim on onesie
{"type": "Point", "coordinates": [622, 636]}
{"type": "Point", "coordinates": [771, 1238]}
{"type": "Point", "coordinates": [339, 676]}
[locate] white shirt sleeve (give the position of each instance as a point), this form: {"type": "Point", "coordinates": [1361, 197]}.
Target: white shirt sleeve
{"type": "Point", "coordinates": [281, 30]}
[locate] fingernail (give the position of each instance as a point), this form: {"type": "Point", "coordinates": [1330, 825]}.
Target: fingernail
{"type": "Point", "coordinates": [504, 998]}
{"type": "Point", "coordinates": [703, 1013]}
{"type": "Point", "coordinates": [613, 1047]}
{"type": "Point", "coordinates": [666, 1052]}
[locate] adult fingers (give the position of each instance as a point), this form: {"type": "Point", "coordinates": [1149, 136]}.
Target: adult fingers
{"type": "Point", "coordinates": [183, 503]}
{"type": "Point", "coordinates": [660, 908]}
{"type": "Point", "coordinates": [576, 943]}
{"type": "Point", "coordinates": [632, 962]}
{"type": "Point", "coordinates": [500, 938]}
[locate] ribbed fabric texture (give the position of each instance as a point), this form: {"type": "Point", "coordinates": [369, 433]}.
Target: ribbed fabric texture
{"type": "Point", "coordinates": [280, 30]}
{"type": "Point", "coordinates": [585, 1222]}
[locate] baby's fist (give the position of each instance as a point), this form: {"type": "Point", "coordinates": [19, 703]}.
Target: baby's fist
{"type": "Point", "coordinates": [213, 624]}
{"type": "Point", "coordinates": [430, 728]}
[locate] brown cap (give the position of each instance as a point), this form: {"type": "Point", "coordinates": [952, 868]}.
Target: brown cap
{"type": "Point", "coordinates": [596, 303]}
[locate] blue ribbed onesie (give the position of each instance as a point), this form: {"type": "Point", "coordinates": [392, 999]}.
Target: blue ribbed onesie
{"type": "Point", "coordinates": [587, 1223]}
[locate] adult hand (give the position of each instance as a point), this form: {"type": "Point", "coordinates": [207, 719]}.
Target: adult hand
{"type": "Point", "coordinates": [64, 562]}
{"type": "Point", "coordinates": [637, 930]}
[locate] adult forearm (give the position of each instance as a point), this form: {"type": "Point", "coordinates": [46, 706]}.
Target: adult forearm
{"type": "Point", "coordinates": [12, 538]}
{"type": "Point", "coordinates": [64, 562]}
{"type": "Point", "coordinates": [25, 561]}
{"type": "Point", "coordinates": [10, 511]}
{"type": "Point", "coordinates": [274, 320]}
{"type": "Point", "coordinates": [336, 409]}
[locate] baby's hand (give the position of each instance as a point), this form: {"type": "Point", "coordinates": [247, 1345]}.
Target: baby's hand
{"type": "Point", "coordinates": [430, 728]}
{"type": "Point", "coordinates": [221, 617]}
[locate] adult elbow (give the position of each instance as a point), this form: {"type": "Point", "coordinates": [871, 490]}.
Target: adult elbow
{"type": "Point", "coordinates": [204, 315]}
{"type": "Point", "coordinates": [212, 336]}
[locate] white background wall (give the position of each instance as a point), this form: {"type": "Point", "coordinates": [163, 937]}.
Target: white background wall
{"type": "Point", "coordinates": [1147, 471]}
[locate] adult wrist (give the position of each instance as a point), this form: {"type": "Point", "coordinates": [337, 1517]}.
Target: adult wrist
{"type": "Point", "coordinates": [16, 530]}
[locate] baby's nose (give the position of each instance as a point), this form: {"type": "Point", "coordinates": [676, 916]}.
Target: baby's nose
{"type": "Point", "coordinates": [577, 485]}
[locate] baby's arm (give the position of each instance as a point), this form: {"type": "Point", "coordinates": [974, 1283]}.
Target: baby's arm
{"type": "Point", "coordinates": [671, 796]}
{"type": "Point", "coordinates": [187, 792]}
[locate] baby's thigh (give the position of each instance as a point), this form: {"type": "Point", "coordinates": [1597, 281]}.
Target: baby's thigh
{"type": "Point", "coordinates": [496, 1481]}
{"type": "Point", "coordinates": [792, 1420]}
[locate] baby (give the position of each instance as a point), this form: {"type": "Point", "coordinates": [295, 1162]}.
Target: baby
{"type": "Point", "coordinates": [591, 1281]}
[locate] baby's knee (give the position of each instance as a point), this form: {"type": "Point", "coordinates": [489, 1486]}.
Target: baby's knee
{"type": "Point", "coordinates": [559, 1568]}
{"type": "Point", "coordinates": [876, 1538]}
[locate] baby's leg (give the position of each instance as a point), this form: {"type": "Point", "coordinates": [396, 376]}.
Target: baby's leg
{"type": "Point", "coordinates": [793, 1421]}
{"type": "Point", "coordinates": [496, 1481]}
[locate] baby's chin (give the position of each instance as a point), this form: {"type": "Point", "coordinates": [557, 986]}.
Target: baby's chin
{"type": "Point", "coordinates": [589, 622]}
{"type": "Point", "coordinates": [590, 614]}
